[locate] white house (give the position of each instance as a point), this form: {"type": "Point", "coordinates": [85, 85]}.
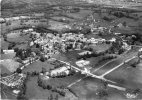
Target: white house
{"type": "Point", "coordinates": [82, 63]}
{"type": "Point", "coordinates": [140, 50]}
{"type": "Point", "coordinates": [8, 51]}
{"type": "Point", "coordinates": [16, 91]}
{"type": "Point", "coordinates": [2, 20]}
{"type": "Point", "coordinates": [85, 52]}
{"type": "Point", "coordinates": [59, 70]}
{"type": "Point", "coordinates": [112, 40]}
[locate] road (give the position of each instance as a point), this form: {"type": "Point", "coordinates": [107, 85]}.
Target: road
{"type": "Point", "coordinates": [117, 66]}
{"type": "Point", "coordinates": [126, 59]}
{"type": "Point", "coordinates": [88, 73]}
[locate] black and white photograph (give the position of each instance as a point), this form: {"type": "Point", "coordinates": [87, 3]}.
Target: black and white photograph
{"type": "Point", "coordinates": [70, 49]}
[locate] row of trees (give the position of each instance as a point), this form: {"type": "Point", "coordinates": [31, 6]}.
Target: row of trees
{"type": "Point", "coordinates": [94, 54]}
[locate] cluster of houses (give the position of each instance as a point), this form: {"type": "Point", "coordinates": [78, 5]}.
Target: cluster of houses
{"type": "Point", "coordinates": [52, 43]}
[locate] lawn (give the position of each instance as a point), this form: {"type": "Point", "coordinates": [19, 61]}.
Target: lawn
{"type": "Point", "coordinates": [10, 65]}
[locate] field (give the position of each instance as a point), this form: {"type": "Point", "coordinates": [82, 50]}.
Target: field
{"type": "Point", "coordinates": [10, 65]}
{"type": "Point", "coordinates": [15, 37]}
{"type": "Point", "coordinates": [79, 15]}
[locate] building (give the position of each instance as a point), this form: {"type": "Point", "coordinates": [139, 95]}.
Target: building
{"type": "Point", "coordinates": [82, 63]}
{"type": "Point", "coordinates": [84, 53]}
{"type": "Point", "coordinates": [8, 51]}
{"type": "Point", "coordinates": [60, 70]}
{"type": "Point", "coordinates": [2, 20]}
{"type": "Point", "coordinates": [113, 40]}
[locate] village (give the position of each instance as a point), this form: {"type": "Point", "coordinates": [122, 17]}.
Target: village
{"type": "Point", "coordinates": [71, 52]}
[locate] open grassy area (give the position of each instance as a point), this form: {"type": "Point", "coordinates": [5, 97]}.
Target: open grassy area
{"type": "Point", "coordinates": [10, 65]}
{"type": "Point", "coordinates": [17, 38]}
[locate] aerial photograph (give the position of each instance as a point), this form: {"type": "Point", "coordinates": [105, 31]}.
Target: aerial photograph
{"type": "Point", "coordinates": [71, 49]}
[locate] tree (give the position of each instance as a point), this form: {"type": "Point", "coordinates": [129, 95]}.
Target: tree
{"type": "Point", "coordinates": [56, 98]}
{"type": "Point", "coordinates": [124, 24]}
{"type": "Point", "coordinates": [16, 49]}
{"type": "Point", "coordinates": [42, 59]}
{"type": "Point", "coordinates": [1, 51]}
{"type": "Point", "coordinates": [49, 87]}
{"type": "Point", "coordinates": [18, 70]}
{"type": "Point", "coordinates": [43, 70]}
{"type": "Point", "coordinates": [51, 97]}
{"type": "Point", "coordinates": [28, 51]}
{"type": "Point", "coordinates": [136, 91]}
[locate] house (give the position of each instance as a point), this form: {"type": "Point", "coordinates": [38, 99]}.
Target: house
{"type": "Point", "coordinates": [8, 51]}
{"type": "Point", "coordinates": [113, 40]}
{"type": "Point", "coordinates": [97, 41]}
{"type": "Point", "coordinates": [84, 53]}
{"type": "Point", "coordinates": [57, 71]}
{"type": "Point", "coordinates": [140, 50]}
{"type": "Point", "coordinates": [82, 63]}
{"type": "Point", "coordinates": [15, 18]}
{"type": "Point", "coordinates": [2, 20]}
{"type": "Point", "coordinates": [16, 91]}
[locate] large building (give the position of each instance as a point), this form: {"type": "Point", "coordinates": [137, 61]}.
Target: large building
{"type": "Point", "coordinates": [59, 71]}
